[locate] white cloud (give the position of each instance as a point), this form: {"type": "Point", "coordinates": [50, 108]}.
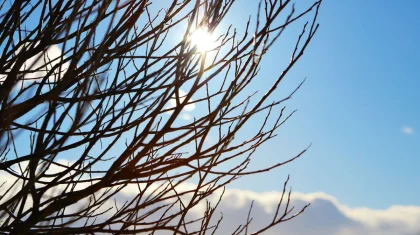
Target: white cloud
{"type": "Point", "coordinates": [51, 57]}
{"type": "Point", "coordinates": [326, 215]}
{"type": "Point", "coordinates": [186, 117]}
{"type": "Point", "coordinates": [407, 130]}
{"type": "Point", "coordinates": [182, 94]}
{"type": "Point", "coordinates": [187, 108]}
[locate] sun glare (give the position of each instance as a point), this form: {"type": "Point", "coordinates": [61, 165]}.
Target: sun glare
{"type": "Point", "coordinates": [203, 39]}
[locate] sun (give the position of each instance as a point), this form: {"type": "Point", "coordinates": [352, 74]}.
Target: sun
{"type": "Point", "coordinates": [203, 39]}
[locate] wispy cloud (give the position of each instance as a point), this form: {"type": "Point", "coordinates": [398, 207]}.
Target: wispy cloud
{"type": "Point", "coordinates": [186, 117]}
{"type": "Point", "coordinates": [407, 130]}
{"type": "Point", "coordinates": [187, 108]}
{"type": "Point", "coordinates": [182, 94]}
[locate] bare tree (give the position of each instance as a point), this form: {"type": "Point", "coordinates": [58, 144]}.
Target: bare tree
{"type": "Point", "coordinates": [105, 85]}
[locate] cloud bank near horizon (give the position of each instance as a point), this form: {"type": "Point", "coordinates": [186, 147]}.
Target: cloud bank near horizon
{"type": "Point", "coordinates": [325, 215]}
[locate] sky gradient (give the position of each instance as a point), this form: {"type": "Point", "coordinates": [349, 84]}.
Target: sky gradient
{"type": "Point", "coordinates": [358, 107]}
{"type": "Point", "coordinates": [359, 111]}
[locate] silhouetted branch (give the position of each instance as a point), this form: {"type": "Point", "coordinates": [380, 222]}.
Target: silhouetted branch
{"type": "Point", "coordinates": [105, 85]}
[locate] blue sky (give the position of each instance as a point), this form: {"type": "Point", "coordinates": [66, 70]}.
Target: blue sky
{"type": "Point", "coordinates": [359, 108]}
{"type": "Point", "coordinates": [361, 91]}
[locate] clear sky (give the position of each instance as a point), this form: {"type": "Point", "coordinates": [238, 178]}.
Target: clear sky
{"type": "Point", "coordinates": [359, 107]}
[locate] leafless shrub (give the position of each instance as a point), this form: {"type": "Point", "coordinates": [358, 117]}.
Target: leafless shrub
{"type": "Point", "coordinates": [104, 84]}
